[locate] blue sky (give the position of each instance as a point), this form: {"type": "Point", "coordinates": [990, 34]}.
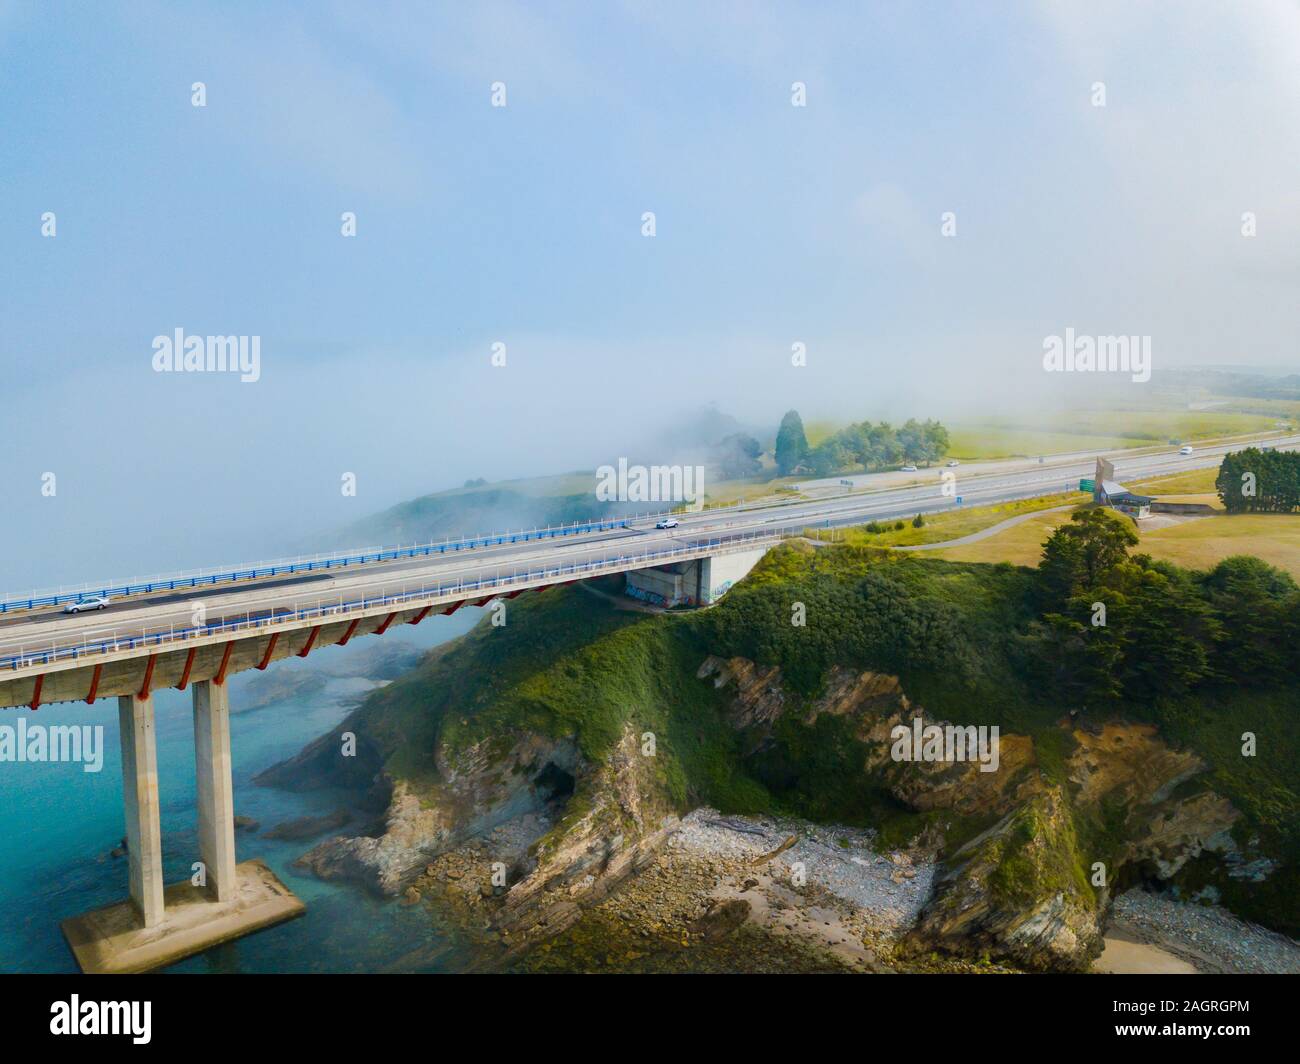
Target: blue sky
{"type": "Point", "coordinates": [522, 224]}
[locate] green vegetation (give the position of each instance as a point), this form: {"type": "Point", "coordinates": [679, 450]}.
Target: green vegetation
{"type": "Point", "coordinates": [1205, 656]}
{"type": "Point", "coordinates": [1255, 481]}
{"type": "Point", "coordinates": [1036, 857]}
{"type": "Point", "coordinates": [951, 524]}
{"type": "Point", "coordinates": [569, 665]}
{"type": "Point", "coordinates": [1116, 627]}
{"type": "Point", "coordinates": [874, 447]}
{"type": "Point", "coordinates": [791, 444]}
{"type": "Point", "coordinates": [1193, 482]}
{"type": "Point", "coordinates": [481, 508]}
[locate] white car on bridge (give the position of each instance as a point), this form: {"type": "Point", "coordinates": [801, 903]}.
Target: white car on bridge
{"type": "Point", "coordinates": [667, 522]}
{"type": "Point", "coordinates": [91, 602]}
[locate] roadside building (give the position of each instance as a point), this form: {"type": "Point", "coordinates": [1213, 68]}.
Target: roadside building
{"type": "Point", "coordinates": [1113, 494]}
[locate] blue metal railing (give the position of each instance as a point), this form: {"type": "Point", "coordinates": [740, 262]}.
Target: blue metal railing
{"type": "Point", "coordinates": [181, 583]}
{"type": "Point", "coordinates": [333, 610]}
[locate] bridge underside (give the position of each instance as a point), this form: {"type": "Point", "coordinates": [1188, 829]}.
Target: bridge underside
{"type": "Point", "coordinates": [179, 666]}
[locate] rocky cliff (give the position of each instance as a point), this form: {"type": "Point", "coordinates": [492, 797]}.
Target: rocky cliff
{"type": "Point", "coordinates": [522, 826]}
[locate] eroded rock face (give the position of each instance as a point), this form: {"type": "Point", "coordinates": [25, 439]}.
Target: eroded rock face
{"type": "Point", "coordinates": [760, 699]}
{"type": "Point", "coordinates": [876, 704]}
{"type": "Point", "coordinates": [1129, 767]}
{"type": "Point", "coordinates": [1017, 891]}
{"type": "Point", "coordinates": [1128, 762]}
{"type": "Point", "coordinates": [614, 828]}
{"type": "Point", "coordinates": [1023, 897]}
{"type": "Point", "coordinates": [480, 788]}
{"type": "Point", "coordinates": [569, 831]}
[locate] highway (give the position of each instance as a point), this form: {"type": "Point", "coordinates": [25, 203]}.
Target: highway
{"type": "Point", "coordinates": [48, 628]}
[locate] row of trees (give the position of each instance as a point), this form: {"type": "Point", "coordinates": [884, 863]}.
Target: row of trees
{"type": "Point", "coordinates": [866, 446]}
{"type": "Point", "coordinates": [1260, 481]}
{"type": "Point", "coordinates": [1116, 625]}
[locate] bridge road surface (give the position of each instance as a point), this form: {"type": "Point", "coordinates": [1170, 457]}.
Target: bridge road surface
{"type": "Point", "coordinates": [43, 629]}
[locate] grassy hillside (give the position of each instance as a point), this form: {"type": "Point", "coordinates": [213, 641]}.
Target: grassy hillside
{"type": "Point", "coordinates": [958, 635]}
{"type": "Point", "coordinates": [470, 511]}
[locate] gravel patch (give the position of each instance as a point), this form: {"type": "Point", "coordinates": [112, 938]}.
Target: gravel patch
{"type": "Point", "coordinates": [889, 890]}
{"type": "Point", "coordinates": [1207, 936]}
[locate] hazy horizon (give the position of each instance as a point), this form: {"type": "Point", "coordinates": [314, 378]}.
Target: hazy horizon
{"type": "Point", "coordinates": [775, 225]}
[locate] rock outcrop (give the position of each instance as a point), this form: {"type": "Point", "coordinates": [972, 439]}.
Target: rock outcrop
{"type": "Point", "coordinates": [523, 830]}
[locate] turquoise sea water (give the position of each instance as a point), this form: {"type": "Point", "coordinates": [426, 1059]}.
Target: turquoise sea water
{"type": "Point", "coordinates": [59, 823]}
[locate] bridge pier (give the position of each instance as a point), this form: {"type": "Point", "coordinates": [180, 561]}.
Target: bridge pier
{"type": "Point", "coordinates": [215, 786]}
{"type": "Point", "coordinates": [140, 792]}
{"type": "Point", "coordinates": [156, 925]}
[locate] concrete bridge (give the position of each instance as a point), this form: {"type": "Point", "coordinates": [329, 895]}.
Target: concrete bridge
{"type": "Point", "coordinates": [141, 650]}
{"type": "Point", "coordinates": [193, 631]}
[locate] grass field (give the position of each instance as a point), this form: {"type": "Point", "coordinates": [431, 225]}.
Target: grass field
{"type": "Point", "coordinates": [974, 443]}
{"type": "Point", "coordinates": [1197, 482]}
{"type": "Point", "coordinates": [1203, 543]}
{"type": "Point", "coordinates": [1104, 430]}
{"type": "Point", "coordinates": [1021, 544]}
{"type": "Point", "coordinates": [1196, 544]}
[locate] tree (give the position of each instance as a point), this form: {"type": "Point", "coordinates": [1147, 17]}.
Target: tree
{"type": "Point", "coordinates": [791, 444]}
{"type": "Point", "coordinates": [1255, 480]}
{"type": "Point", "coordinates": [1251, 599]}
{"type": "Point", "coordinates": [936, 439]}
{"type": "Point", "coordinates": [1079, 556]}
{"type": "Point", "coordinates": [1169, 632]}
{"type": "Point", "coordinates": [830, 457]}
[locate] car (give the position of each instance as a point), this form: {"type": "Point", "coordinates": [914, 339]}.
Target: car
{"type": "Point", "coordinates": [667, 522]}
{"type": "Point", "coordinates": [908, 469]}
{"type": "Point", "coordinates": [90, 602]}
{"type": "Point", "coordinates": [953, 463]}
{"type": "Point", "coordinates": [1184, 450]}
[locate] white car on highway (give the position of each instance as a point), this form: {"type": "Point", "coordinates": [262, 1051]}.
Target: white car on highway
{"type": "Point", "coordinates": [1184, 450]}
{"type": "Point", "coordinates": [667, 522]}
{"type": "Point", "coordinates": [91, 602]}
{"type": "Point", "coordinates": [908, 469]}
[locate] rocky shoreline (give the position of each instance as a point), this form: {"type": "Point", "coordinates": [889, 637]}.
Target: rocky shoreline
{"type": "Point", "coordinates": [759, 894]}
{"type": "Point", "coordinates": [722, 893]}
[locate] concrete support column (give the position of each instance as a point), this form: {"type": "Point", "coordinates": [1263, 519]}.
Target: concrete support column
{"type": "Point", "coordinates": [215, 787]}
{"type": "Point", "coordinates": [140, 793]}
